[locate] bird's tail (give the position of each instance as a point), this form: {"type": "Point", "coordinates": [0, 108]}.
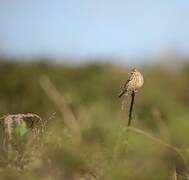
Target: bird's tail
{"type": "Point", "coordinates": [122, 93]}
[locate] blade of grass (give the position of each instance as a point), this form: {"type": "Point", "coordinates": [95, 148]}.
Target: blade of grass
{"type": "Point", "coordinates": [61, 104]}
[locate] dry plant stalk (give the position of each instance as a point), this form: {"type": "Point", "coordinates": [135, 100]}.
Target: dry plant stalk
{"type": "Point", "coordinates": [60, 102]}
{"type": "Point", "coordinates": [8, 121]}
{"type": "Point", "coordinates": [11, 145]}
{"type": "Point", "coordinates": [131, 107]}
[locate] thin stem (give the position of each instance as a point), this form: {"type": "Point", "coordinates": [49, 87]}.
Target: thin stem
{"type": "Point", "coordinates": [161, 142]}
{"type": "Point", "coordinates": [131, 107]}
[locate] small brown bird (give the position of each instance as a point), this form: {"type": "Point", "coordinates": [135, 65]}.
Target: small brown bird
{"type": "Point", "coordinates": [134, 82]}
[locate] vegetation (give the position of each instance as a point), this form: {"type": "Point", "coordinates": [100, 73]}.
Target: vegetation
{"type": "Point", "coordinates": [87, 137]}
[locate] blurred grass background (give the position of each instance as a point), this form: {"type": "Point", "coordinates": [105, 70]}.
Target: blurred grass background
{"type": "Point", "coordinates": [161, 109]}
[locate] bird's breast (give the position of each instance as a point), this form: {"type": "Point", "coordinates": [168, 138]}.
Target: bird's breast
{"type": "Point", "coordinates": [140, 81]}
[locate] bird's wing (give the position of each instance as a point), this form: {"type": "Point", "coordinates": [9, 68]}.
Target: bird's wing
{"type": "Point", "coordinates": [128, 80]}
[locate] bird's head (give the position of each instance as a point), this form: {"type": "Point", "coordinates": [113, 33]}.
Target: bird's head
{"type": "Point", "coordinates": [134, 70]}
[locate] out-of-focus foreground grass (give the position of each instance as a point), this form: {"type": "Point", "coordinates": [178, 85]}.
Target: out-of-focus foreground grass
{"type": "Point", "coordinates": [90, 92]}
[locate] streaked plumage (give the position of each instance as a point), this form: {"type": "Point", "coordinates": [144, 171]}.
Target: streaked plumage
{"type": "Point", "coordinates": [134, 82]}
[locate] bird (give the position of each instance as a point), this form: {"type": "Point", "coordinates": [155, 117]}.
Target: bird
{"type": "Point", "coordinates": [133, 83]}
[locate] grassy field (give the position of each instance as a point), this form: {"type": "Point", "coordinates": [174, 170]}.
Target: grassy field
{"type": "Point", "coordinates": [86, 136]}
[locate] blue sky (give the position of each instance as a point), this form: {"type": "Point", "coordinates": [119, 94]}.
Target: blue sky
{"type": "Point", "coordinates": [90, 28]}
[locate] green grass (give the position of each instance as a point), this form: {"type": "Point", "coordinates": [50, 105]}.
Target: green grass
{"type": "Point", "coordinates": [161, 110]}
